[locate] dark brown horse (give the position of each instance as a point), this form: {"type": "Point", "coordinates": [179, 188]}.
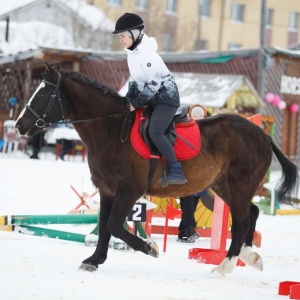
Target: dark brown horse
{"type": "Point", "coordinates": [234, 159]}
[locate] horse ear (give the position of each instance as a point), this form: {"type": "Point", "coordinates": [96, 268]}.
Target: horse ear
{"type": "Point", "coordinates": [47, 70]}
{"type": "Point", "coordinates": [56, 67]}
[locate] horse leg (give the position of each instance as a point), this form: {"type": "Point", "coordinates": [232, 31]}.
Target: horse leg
{"type": "Point", "coordinates": [112, 217]}
{"type": "Point", "coordinates": [119, 212]}
{"type": "Point", "coordinates": [100, 254]}
{"type": "Point", "coordinates": [236, 191]}
{"type": "Point", "coordinates": [239, 229]}
{"type": "Point", "coordinates": [247, 255]}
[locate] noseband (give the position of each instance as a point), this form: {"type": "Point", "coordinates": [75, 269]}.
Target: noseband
{"type": "Point", "coordinates": [40, 122]}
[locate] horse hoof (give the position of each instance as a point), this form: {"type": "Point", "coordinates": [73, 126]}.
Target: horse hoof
{"type": "Point", "coordinates": [153, 251]}
{"type": "Point", "coordinates": [218, 271]}
{"type": "Point", "coordinates": [88, 267]}
{"type": "Point", "coordinates": [258, 265]}
{"type": "Point", "coordinates": [227, 266]}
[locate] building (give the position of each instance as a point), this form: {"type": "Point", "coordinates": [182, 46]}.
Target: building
{"type": "Point", "coordinates": [22, 73]}
{"type": "Point", "coordinates": [57, 23]}
{"type": "Point", "coordinates": [213, 25]}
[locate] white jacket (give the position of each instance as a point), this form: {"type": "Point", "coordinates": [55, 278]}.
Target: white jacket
{"type": "Point", "coordinates": [150, 73]}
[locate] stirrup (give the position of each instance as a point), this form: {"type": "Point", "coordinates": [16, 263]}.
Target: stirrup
{"type": "Point", "coordinates": [176, 181]}
{"type": "Point", "coordinates": [163, 179]}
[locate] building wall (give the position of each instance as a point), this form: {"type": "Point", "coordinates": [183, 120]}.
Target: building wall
{"type": "Point", "coordinates": [217, 29]}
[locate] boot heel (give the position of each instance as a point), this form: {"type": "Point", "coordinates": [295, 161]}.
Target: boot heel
{"type": "Point", "coordinates": [175, 174]}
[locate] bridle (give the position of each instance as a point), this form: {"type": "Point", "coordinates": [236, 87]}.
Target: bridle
{"type": "Point", "coordinates": [41, 123]}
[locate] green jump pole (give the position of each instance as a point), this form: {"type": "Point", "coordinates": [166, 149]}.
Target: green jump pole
{"type": "Point", "coordinates": [48, 219]}
{"type": "Point", "coordinates": [50, 233]}
{"type": "Point", "coordinates": [141, 230]}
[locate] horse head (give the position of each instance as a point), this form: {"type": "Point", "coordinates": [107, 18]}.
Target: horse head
{"type": "Point", "coordinates": [44, 106]}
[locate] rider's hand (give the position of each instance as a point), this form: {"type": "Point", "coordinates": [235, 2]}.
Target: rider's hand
{"type": "Point", "coordinates": [131, 108]}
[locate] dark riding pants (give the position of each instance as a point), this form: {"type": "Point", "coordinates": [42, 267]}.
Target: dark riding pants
{"type": "Point", "coordinates": [188, 205]}
{"type": "Point", "coordinates": [161, 117]}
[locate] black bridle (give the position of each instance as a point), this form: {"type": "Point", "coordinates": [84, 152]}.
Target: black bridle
{"type": "Point", "coordinates": [41, 123]}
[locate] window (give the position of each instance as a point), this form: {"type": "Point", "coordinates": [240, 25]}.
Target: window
{"type": "Point", "coordinates": [294, 20]}
{"type": "Point", "coordinates": [142, 4]}
{"type": "Point", "coordinates": [114, 2]}
{"type": "Point", "coordinates": [269, 17]}
{"type": "Point", "coordinates": [167, 44]}
{"type": "Point", "coordinates": [204, 8]}
{"type": "Point", "coordinates": [201, 45]}
{"type": "Point", "coordinates": [233, 46]}
{"type": "Point", "coordinates": [171, 6]}
{"type": "Point", "coordinates": [237, 12]}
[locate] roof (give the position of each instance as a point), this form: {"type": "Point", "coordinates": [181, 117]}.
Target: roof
{"type": "Point", "coordinates": [59, 23]}
{"type": "Point", "coordinates": [89, 14]}
{"type": "Point", "coordinates": [209, 90]}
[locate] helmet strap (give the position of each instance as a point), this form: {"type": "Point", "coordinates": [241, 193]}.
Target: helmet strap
{"type": "Point", "coordinates": [137, 41]}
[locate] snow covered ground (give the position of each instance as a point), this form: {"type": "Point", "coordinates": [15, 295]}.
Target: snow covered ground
{"type": "Point", "coordinates": [42, 268]}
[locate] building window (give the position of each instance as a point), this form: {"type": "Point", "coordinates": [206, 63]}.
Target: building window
{"type": "Point", "coordinates": [204, 7]}
{"type": "Point", "coordinates": [201, 45]}
{"type": "Point", "coordinates": [269, 17]}
{"type": "Point", "coordinates": [171, 6]}
{"type": "Point", "coordinates": [114, 2]}
{"type": "Point", "coordinates": [142, 4]}
{"type": "Point", "coordinates": [234, 46]}
{"type": "Point", "coordinates": [237, 12]}
{"type": "Point", "coordinates": [294, 20]}
{"type": "Point", "coordinates": [167, 44]}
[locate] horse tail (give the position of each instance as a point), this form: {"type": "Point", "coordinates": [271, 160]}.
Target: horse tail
{"type": "Point", "coordinates": [288, 185]}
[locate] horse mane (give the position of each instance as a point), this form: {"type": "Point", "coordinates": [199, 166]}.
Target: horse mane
{"type": "Point", "coordinates": [87, 81]}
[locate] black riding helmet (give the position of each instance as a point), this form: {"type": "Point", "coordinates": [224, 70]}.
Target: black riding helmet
{"type": "Point", "coordinates": [127, 22]}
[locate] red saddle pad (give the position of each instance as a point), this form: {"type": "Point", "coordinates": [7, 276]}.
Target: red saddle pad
{"type": "Point", "coordinates": [187, 131]}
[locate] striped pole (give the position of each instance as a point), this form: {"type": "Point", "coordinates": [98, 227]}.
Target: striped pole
{"type": "Point", "coordinates": [48, 219]}
{"type": "Point", "coordinates": [45, 232]}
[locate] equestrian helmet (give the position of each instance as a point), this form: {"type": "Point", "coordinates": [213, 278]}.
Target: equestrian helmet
{"type": "Point", "coordinates": [127, 22]}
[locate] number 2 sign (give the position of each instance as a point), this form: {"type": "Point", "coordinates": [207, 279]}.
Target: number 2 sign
{"type": "Point", "coordinates": [138, 213]}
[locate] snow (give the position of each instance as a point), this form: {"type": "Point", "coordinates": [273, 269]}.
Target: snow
{"type": "Point", "coordinates": [209, 90]}
{"type": "Point", "coordinates": [32, 31]}
{"type": "Point", "coordinates": [42, 268]}
{"type": "Point", "coordinates": [8, 6]}
{"type": "Point", "coordinates": [93, 16]}
{"type": "Point", "coordinates": [29, 35]}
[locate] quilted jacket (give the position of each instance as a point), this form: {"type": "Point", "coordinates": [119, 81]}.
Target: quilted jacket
{"type": "Point", "coordinates": [151, 81]}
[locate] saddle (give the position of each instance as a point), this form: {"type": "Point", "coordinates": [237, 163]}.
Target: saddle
{"type": "Point", "coordinates": [184, 134]}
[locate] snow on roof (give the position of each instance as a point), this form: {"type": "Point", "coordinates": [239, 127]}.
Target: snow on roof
{"type": "Point", "coordinates": [29, 35]}
{"type": "Point", "coordinates": [210, 90]}
{"type": "Point", "coordinates": [11, 5]}
{"type": "Point", "coordinates": [90, 14]}
{"type": "Point", "coordinates": [32, 33]}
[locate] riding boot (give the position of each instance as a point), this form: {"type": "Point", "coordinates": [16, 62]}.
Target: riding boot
{"type": "Point", "coordinates": [175, 174]}
{"type": "Point", "coordinates": [35, 153]}
{"type": "Point", "coordinates": [188, 235]}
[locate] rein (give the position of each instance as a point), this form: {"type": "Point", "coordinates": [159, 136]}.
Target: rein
{"type": "Point", "coordinates": [41, 123]}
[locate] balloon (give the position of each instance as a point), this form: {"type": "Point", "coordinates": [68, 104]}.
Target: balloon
{"type": "Point", "coordinates": [276, 100]}
{"type": "Point", "coordinates": [269, 97]}
{"type": "Point", "coordinates": [282, 105]}
{"type": "Point", "coordinates": [294, 108]}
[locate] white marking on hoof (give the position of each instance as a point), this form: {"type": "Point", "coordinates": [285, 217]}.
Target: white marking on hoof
{"type": "Point", "coordinates": [251, 258]}
{"type": "Point", "coordinates": [227, 266]}
{"type": "Point", "coordinates": [258, 265]}
{"type": "Point", "coordinates": [154, 251]}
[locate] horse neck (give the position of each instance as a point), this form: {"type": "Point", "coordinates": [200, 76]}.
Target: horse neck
{"type": "Point", "coordinates": [89, 103]}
